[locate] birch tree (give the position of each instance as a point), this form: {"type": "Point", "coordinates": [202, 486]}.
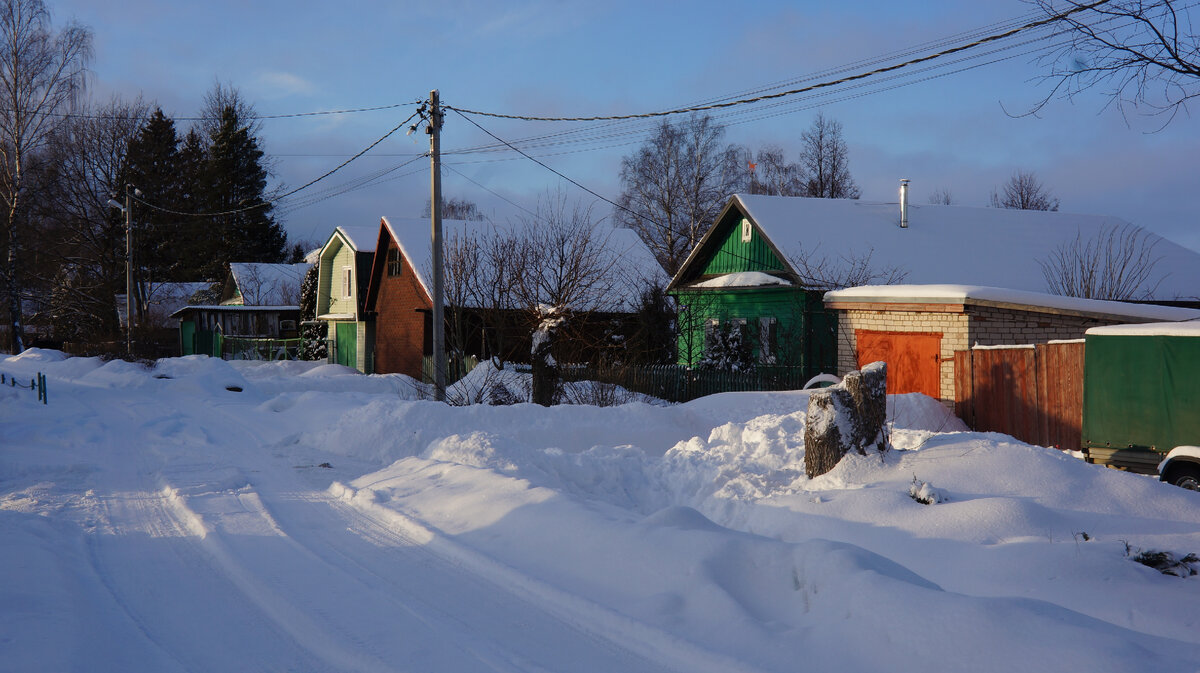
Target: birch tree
{"type": "Point", "coordinates": [41, 74]}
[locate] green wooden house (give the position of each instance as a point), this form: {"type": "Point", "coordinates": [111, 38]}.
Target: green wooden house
{"type": "Point", "coordinates": [344, 271]}
{"type": "Point", "coordinates": [736, 279]}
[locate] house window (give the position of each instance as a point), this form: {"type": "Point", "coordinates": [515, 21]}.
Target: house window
{"type": "Point", "coordinates": [347, 282]}
{"type": "Point", "coordinates": [747, 230]}
{"type": "Point", "coordinates": [393, 262]}
{"type": "Point", "coordinates": [768, 335]}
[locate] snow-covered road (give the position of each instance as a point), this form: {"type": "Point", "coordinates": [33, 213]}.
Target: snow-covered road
{"type": "Point", "coordinates": [315, 519]}
{"type": "Point", "coordinates": [258, 564]}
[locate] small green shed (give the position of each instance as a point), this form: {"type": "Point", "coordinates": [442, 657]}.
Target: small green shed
{"type": "Point", "coordinates": [1141, 393]}
{"type": "Point", "coordinates": [736, 279]}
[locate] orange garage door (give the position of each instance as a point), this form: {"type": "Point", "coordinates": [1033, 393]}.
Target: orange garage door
{"type": "Point", "coordinates": [913, 359]}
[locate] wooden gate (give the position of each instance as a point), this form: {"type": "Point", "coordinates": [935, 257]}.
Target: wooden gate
{"type": "Point", "coordinates": [913, 359]}
{"type": "Point", "coordinates": [1034, 393]}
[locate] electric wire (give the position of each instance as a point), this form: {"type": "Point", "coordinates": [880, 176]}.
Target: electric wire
{"type": "Point", "coordinates": [792, 92]}
{"type": "Point", "coordinates": [272, 201]}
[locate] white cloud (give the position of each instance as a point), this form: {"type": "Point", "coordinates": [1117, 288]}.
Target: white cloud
{"type": "Point", "coordinates": [283, 84]}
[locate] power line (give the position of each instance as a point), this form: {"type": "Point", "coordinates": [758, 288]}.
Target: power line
{"type": "Point", "coordinates": [287, 194]}
{"type": "Point", "coordinates": [499, 196]}
{"type": "Point", "coordinates": [291, 115]}
{"type": "Point", "coordinates": [792, 92]}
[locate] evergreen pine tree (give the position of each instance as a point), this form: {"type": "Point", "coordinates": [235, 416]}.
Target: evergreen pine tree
{"type": "Point", "coordinates": [152, 166]}
{"type": "Point", "coordinates": [233, 182]}
{"type": "Point", "coordinates": [313, 346]}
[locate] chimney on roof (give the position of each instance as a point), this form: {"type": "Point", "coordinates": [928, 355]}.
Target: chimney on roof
{"type": "Point", "coordinates": [904, 203]}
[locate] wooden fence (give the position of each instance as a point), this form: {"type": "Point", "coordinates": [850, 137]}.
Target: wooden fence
{"type": "Point", "coordinates": [1034, 393]}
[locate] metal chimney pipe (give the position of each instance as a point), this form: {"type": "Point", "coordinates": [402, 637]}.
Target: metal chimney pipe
{"type": "Point", "coordinates": [904, 203]}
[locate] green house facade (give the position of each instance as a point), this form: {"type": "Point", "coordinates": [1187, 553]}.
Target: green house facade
{"type": "Point", "coordinates": [345, 268]}
{"type": "Point", "coordinates": [737, 282]}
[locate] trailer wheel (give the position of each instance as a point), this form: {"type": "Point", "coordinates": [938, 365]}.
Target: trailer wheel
{"type": "Point", "coordinates": [1185, 475]}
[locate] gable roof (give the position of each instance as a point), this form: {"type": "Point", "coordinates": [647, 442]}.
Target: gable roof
{"type": "Point", "coordinates": [963, 245]}
{"type": "Point", "coordinates": [262, 284]}
{"type": "Point", "coordinates": [361, 240]}
{"type": "Point", "coordinates": [413, 237]}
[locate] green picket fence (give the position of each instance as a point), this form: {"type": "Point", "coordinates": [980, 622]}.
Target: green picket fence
{"type": "Point", "coordinates": [249, 348]}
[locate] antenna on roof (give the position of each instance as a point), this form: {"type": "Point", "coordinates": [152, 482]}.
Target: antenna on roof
{"type": "Point", "coordinates": [904, 203]}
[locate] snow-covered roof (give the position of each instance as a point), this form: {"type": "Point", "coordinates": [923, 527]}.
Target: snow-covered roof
{"type": "Point", "coordinates": [993, 247]}
{"type": "Point", "coordinates": [993, 296]}
{"type": "Point", "coordinates": [413, 236]}
{"type": "Point", "coordinates": [744, 279]}
{"type": "Point", "coordinates": [262, 284]}
{"type": "Point", "coordinates": [234, 308]}
{"type": "Point", "coordinates": [361, 238]}
{"type": "Point", "coordinates": [1186, 329]}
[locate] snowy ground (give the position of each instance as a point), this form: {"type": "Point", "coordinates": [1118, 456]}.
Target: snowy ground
{"type": "Point", "coordinates": [152, 520]}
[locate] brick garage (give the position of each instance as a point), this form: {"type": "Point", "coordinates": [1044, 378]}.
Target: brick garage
{"type": "Point", "coordinates": [917, 328]}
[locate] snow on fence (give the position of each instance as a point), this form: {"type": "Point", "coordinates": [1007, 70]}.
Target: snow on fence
{"type": "Point", "coordinates": [38, 384]}
{"type": "Point", "coordinates": [679, 383]}
{"type": "Point", "coordinates": [1034, 393]}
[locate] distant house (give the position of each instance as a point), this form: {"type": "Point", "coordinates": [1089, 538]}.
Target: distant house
{"type": "Point", "coordinates": [917, 328]}
{"type": "Point", "coordinates": [991, 247]}
{"type": "Point", "coordinates": [399, 299]}
{"type": "Point", "coordinates": [764, 265]}
{"type": "Point", "coordinates": [260, 284]}
{"type": "Point", "coordinates": [738, 278]}
{"type": "Point", "coordinates": [344, 267]}
{"type": "Point", "coordinates": [205, 329]}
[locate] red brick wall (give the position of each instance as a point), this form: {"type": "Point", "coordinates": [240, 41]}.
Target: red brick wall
{"type": "Point", "coordinates": [399, 326]}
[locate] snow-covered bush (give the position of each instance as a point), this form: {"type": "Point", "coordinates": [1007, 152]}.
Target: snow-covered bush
{"type": "Point", "coordinates": [926, 494]}
{"type": "Point", "coordinates": [727, 349]}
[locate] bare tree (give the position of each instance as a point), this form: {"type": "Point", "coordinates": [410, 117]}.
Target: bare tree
{"type": "Point", "coordinates": [771, 174]}
{"type": "Point", "coordinates": [1024, 191]}
{"type": "Point", "coordinates": [845, 270]}
{"type": "Point", "coordinates": [1139, 51]}
{"type": "Point", "coordinates": [941, 197]}
{"type": "Point", "coordinates": [674, 186]}
{"type": "Point", "coordinates": [87, 165]}
{"type": "Point", "coordinates": [41, 72]}
{"type": "Point", "coordinates": [217, 100]}
{"type": "Point", "coordinates": [456, 209]}
{"type": "Point", "coordinates": [1116, 264]}
{"type": "Point", "coordinates": [825, 159]}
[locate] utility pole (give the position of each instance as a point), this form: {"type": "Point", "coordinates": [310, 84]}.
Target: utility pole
{"type": "Point", "coordinates": [439, 325]}
{"type": "Point", "coordinates": [129, 270]}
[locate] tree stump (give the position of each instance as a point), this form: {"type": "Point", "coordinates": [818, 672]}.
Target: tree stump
{"type": "Point", "coordinates": [850, 415]}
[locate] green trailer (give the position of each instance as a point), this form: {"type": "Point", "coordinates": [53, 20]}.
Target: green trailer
{"type": "Point", "coordinates": [1141, 399]}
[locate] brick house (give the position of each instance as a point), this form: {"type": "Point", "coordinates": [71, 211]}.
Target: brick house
{"type": "Point", "coordinates": [917, 328]}
{"type": "Point", "coordinates": [399, 300]}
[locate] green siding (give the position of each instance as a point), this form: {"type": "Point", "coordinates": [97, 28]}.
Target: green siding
{"type": "Point", "coordinates": [337, 304]}
{"type": "Point", "coordinates": [736, 255]}
{"type": "Point", "coordinates": [805, 331]}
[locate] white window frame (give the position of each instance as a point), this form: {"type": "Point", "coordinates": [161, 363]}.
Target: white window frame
{"type": "Point", "coordinates": [347, 282]}
{"type": "Point", "coordinates": [747, 230]}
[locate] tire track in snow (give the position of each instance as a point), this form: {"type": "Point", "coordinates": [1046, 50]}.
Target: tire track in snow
{"type": "Point", "coordinates": [506, 620]}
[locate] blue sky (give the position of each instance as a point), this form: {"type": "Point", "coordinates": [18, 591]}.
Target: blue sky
{"type": "Point", "coordinates": [547, 57]}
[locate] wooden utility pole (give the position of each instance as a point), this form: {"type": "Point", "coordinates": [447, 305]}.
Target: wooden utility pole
{"type": "Point", "coordinates": [439, 325]}
{"type": "Point", "coordinates": [129, 270]}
